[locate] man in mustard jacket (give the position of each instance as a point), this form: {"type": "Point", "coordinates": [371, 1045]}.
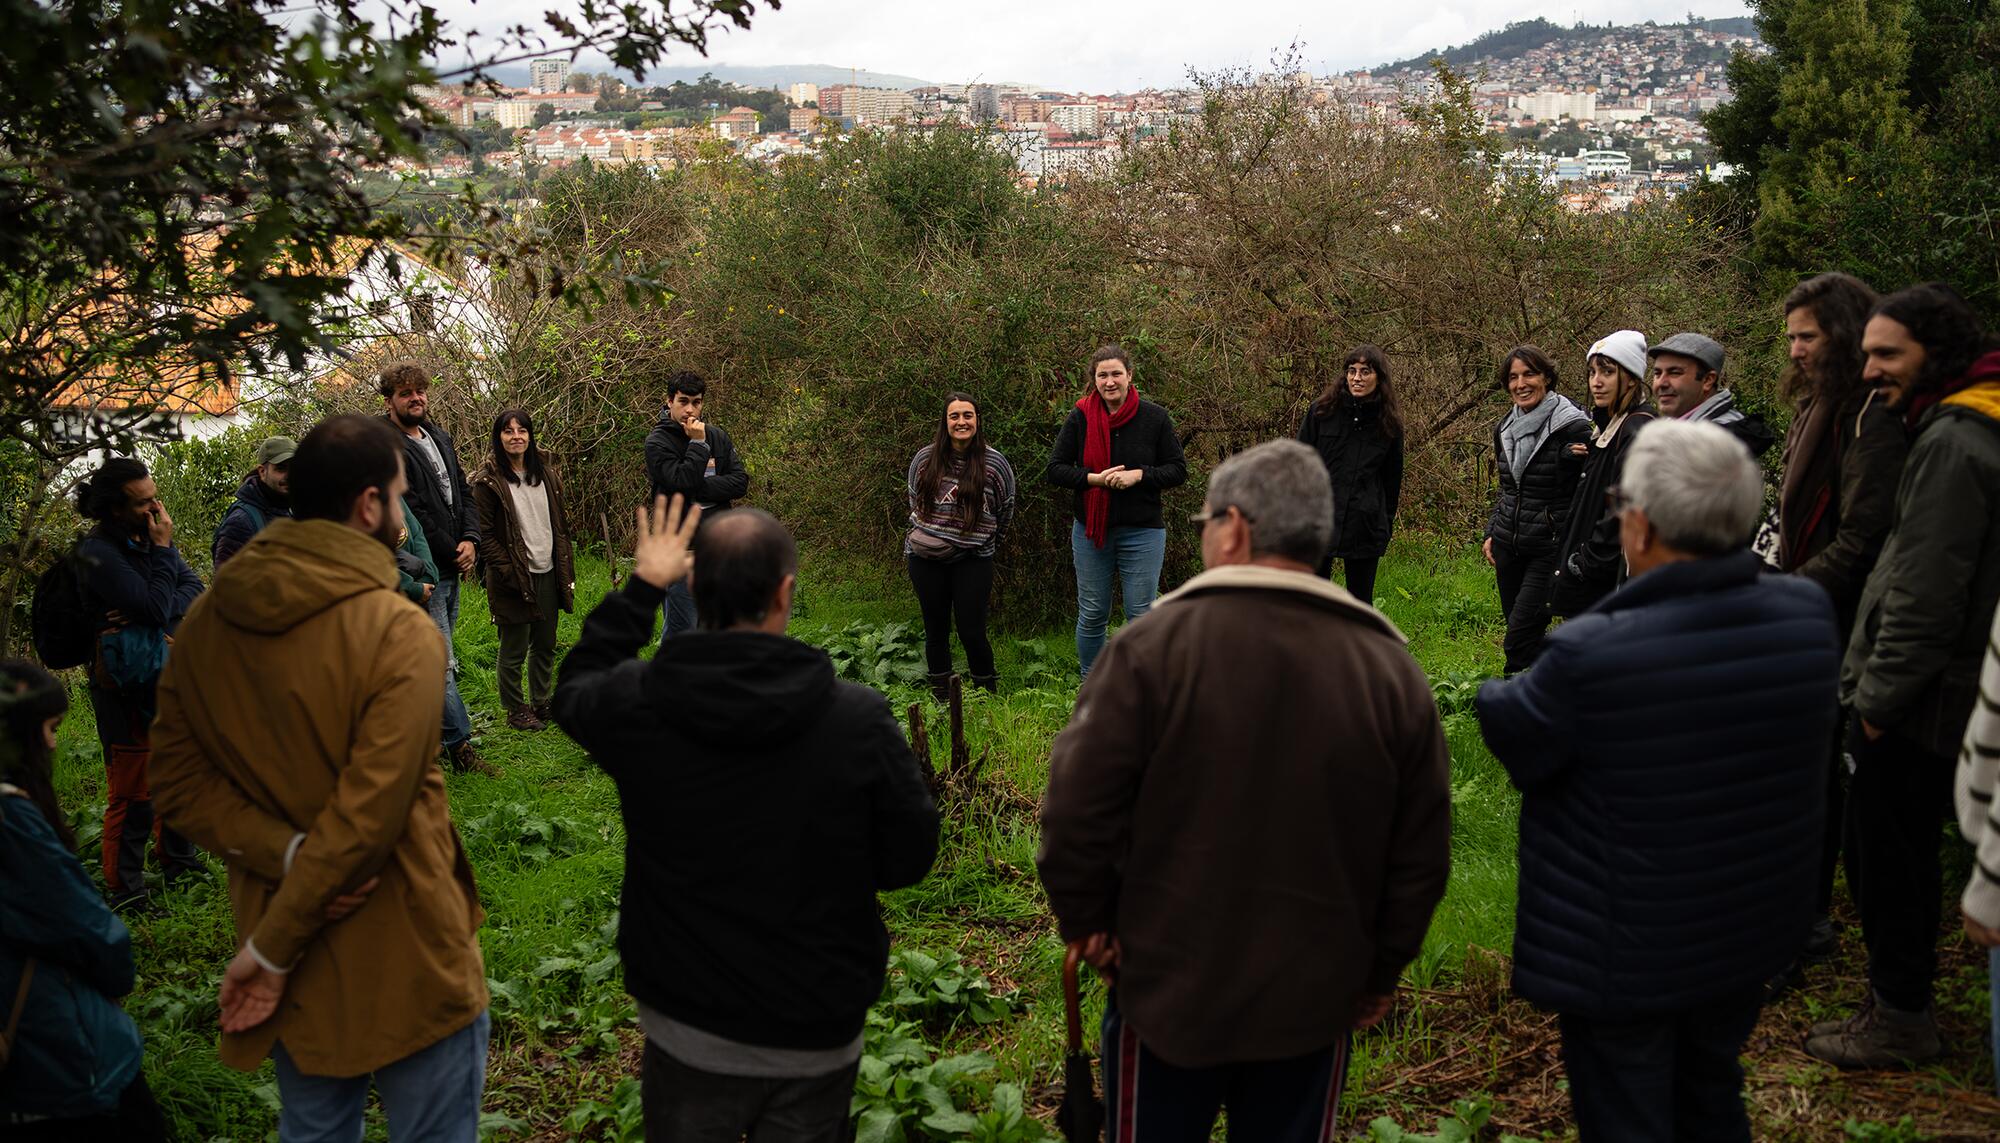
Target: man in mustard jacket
{"type": "Point", "coordinates": [296, 733]}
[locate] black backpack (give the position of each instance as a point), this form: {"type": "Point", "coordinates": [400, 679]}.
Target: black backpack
{"type": "Point", "coordinates": [65, 635]}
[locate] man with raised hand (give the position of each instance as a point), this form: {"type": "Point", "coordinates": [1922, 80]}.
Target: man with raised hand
{"type": "Point", "coordinates": [1248, 823]}
{"type": "Point", "coordinates": [766, 803]}
{"type": "Point", "coordinates": [296, 739]}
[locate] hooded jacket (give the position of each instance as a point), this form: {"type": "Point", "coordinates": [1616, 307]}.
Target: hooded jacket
{"type": "Point", "coordinates": [1533, 508]}
{"type": "Point", "coordinates": [766, 803]}
{"type": "Point", "coordinates": [1669, 846]}
{"type": "Point", "coordinates": [1366, 468]}
{"type": "Point", "coordinates": [1912, 664]}
{"type": "Point", "coordinates": [1260, 873]}
{"type": "Point", "coordinates": [503, 554]}
{"type": "Point", "coordinates": [254, 507]}
{"type": "Point", "coordinates": [303, 698]}
{"type": "Point", "coordinates": [707, 472]}
{"type": "Point", "coordinates": [152, 586]}
{"type": "Point", "coordinates": [75, 1050]}
{"type": "Point", "coordinates": [447, 521]}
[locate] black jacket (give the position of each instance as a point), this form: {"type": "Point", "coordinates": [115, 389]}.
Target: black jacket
{"type": "Point", "coordinates": [1147, 442]}
{"type": "Point", "coordinates": [445, 523]}
{"type": "Point", "coordinates": [238, 525]}
{"type": "Point", "coordinates": [1531, 513]}
{"type": "Point", "coordinates": [676, 464]}
{"type": "Point", "coordinates": [1671, 748]}
{"type": "Point", "coordinates": [1367, 472]}
{"type": "Point", "coordinates": [1838, 495]}
{"type": "Point", "coordinates": [1590, 564]}
{"type": "Point", "coordinates": [765, 805]}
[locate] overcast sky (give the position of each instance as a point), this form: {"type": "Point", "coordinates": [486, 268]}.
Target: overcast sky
{"type": "Point", "coordinates": [1102, 46]}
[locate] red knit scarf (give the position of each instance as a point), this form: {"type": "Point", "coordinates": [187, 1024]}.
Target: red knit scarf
{"type": "Point", "coordinates": [1098, 421]}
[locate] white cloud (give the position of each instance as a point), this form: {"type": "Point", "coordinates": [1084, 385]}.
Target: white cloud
{"type": "Point", "coordinates": [1099, 45]}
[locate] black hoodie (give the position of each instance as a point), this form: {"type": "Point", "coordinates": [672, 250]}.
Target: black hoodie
{"type": "Point", "coordinates": [707, 472]}
{"type": "Point", "coordinates": [765, 804]}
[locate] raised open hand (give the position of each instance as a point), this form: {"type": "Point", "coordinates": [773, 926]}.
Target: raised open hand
{"type": "Point", "coordinates": [660, 555]}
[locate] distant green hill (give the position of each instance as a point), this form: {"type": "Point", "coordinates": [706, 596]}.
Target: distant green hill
{"type": "Point", "coordinates": [1527, 35]}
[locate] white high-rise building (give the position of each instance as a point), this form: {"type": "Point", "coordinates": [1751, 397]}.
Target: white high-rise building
{"type": "Point", "coordinates": [804, 93]}
{"type": "Point", "coordinates": [548, 74]}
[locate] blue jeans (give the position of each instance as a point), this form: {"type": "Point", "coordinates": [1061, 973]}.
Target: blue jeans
{"type": "Point", "coordinates": [430, 1096]}
{"type": "Point", "coordinates": [1132, 556]}
{"type": "Point", "coordinates": [678, 611]}
{"type": "Point", "coordinates": [444, 612]}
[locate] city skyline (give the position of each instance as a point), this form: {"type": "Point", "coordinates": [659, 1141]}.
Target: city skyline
{"type": "Point", "coordinates": [1107, 46]}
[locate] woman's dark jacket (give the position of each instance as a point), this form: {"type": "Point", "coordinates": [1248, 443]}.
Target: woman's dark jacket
{"type": "Point", "coordinates": [75, 1050]}
{"type": "Point", "coordinates": [503, 554]}
{"type": "Point", "coordinates": [1531, 513]}
{"type": "Point", "coordinates": [1590, 563]}
{"type": "Point", "coordinates": [1670, 746]}
{"type": "Point", "coordinates": [1146, 442]}
{"type": "Point", "coordinates": [1367, 472]}
{"type": "Point", "coordinates": [1837, 498]}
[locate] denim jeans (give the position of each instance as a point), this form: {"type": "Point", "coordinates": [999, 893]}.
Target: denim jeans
{"type": "Point", "coordinates": [444, 612]}
{"type": "Point", "coordinates": [677, 611]}
{"type": "Point", "coordinates": [429, 1096]}
{"type": "Point", "coordinates": [1132, 556]}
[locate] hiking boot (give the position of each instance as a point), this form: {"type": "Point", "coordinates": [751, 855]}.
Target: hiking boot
{"type": "Point", "coordinates": [523, 718]}
{"type": "Point", "coordinates": [465, 759]}
{"type": "Point", "coordinates": [988, 683]}
{"type": "Point", "coordinates": [1879, 1037]}
{"type": "Point", "coordinates": [1822, 940]}
{"type": "Point", "coordinates": [1829, 1027]}
{"type": "Point", "coordinates": [545, 710]}
{"type": "Point", "coordinates": [940, 684]}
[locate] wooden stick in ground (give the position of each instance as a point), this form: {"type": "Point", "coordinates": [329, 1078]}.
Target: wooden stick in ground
{"type": "Point", "coordinates": [961, 754]}
{"type": "Point", "coordinates": [610, 553]}
{"type": "Point", "coordinates": [920, 745]}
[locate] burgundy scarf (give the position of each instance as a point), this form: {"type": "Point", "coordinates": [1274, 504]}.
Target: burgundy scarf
{"type": "Point", "coordinates": [1098, 422]}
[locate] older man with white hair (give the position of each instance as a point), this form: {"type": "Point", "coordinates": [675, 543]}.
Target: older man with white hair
{"type": "Point", "coordinates": [1248, 823]}
{"type": "Point", "coordinates": [1669, 746]}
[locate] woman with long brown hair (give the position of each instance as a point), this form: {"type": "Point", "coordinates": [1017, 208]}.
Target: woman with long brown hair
{"type": "Point", "coordinates": [73, 1069]}
{"type": "Point", "coordinates": [1590, 564]}
{"type": "Point", "coordinates": [524, 546]}
{"type": "Point", "coordinates": [1357, 426]}
{"type": "Point", "coordinates": [961, 499]}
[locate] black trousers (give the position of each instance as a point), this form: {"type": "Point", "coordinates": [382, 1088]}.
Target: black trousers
{"type": "Point", "coordinates": [688, 1105]}
{"type": "Point", "coordinates": [1896, 811]}
{"type": "Point", "coordinates": [1524, 600]}
{"type": "Point", "coordinates": [1661, 1079]}
{"type": "Point", "coordinates": [136, 1119]}
{"type": "Point", "coordinates": [957, 591]}
{"type": "Point", "coordinates": [1835, 836]}
{"type": "Point", "coordinates": [1359, 572]}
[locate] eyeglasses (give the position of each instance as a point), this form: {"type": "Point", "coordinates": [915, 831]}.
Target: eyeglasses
{"type": "Point", "coordinates": [1615, 499]}
{"type": "Point", "coordinates": [1203, 518]}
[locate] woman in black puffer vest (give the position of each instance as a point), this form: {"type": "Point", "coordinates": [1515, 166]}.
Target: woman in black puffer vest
{"type": "Point", "coordinates": [1538, 474]}
{"type": "Point", "coordinates": [1357, 426]}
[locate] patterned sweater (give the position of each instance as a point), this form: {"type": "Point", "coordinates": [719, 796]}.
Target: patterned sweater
{"type": "Point", "coordinates": [1978, 760]}
{"type": "Point", "coordinates": [979, 536]}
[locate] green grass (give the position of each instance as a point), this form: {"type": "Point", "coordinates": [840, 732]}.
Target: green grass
{"type": "Point", "coordinates": [545, 840]}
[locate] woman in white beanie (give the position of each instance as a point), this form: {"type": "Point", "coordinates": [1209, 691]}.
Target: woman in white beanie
{"type": "Point", "coordinates": [1589, 564]}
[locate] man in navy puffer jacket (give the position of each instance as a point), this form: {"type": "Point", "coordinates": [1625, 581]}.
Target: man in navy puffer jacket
{"type": "Point", "coordinates": [1669, 745]}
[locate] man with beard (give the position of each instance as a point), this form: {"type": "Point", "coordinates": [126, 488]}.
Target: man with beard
{"type": "Point", "coordinates": [1911, 675]}
{"type": "Point", "coordinates": [262, 499]}
{"type": "Point", "coordinates": [295, 738]}
{"type": "Point", "coordinates": [1843, 455]}
{"type": "Point", "coordinates": [442, 503]}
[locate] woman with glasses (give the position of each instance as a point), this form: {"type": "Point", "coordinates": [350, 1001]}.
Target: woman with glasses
{"type": "Point", "coordinates": [1357, 427]}
{"type": "Point", "coordinates": [1534, 446]}
{"type": "Point", "coordinates": [1590, 565]}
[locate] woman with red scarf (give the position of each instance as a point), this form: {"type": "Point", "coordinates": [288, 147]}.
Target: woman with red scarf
{"type": "Point", "coordinates": [1117, 452]}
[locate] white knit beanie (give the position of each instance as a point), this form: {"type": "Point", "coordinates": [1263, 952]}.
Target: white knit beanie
{"type": "Point", "coordinates": [1627, 347]}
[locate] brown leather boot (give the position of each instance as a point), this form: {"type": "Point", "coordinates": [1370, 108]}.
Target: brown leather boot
{"type": "Point", "coordinates": [465, 759]}
{"type": "Point", "coordinates": [523, 718]}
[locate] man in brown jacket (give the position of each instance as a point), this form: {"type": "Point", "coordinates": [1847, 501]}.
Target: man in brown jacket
{"type": "Point", "coordinates": [1248, 823]}
{"type": "Point", "coordinates": [297, 728]}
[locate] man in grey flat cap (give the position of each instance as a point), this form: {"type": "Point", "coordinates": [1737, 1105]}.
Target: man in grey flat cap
{"type": "Point", "coordinates": [1687, 383]}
